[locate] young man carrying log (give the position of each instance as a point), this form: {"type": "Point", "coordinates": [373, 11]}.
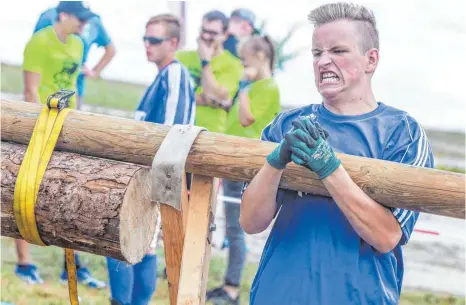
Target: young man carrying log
{"type": "Point", "coordinates": [52, 61]}
{"type": "Point", "coordinates": [169, 100]}
{"type": "Point", "coordinates": [345, 249]}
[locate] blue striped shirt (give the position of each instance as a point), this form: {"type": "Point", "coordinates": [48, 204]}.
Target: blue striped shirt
{"type": "Point", "coordinates": [170, 99]}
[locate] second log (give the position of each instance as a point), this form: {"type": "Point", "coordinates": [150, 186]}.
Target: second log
{"type": "Point", "coordinates": [85, 203]}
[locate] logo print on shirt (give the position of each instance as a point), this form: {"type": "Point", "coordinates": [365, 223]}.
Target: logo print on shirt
{"type": "Point", "coordinates": [63, 78]}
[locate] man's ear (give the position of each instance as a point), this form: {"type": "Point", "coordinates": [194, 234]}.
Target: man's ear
{"type": "Point", "coordinates": [174, 42]}
{"type": "Point", "coordinates": [372, 56]}
{"type": "Point", "coordinates": [62, 16]}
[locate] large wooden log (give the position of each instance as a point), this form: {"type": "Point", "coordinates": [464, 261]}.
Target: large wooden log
{"type": "Point", "coordinates": [85, 203]}
{"type": "Point", "coordinates": [217, 155]}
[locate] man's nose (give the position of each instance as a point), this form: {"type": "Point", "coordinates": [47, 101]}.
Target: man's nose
{"type": "Point", "coordinates": [206, 36]}
{"type": "Point", "coordinates": [324, 59]}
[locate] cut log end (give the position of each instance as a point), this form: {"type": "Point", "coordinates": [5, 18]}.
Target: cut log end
{"type": "Point", "coordinates": [138, 218]}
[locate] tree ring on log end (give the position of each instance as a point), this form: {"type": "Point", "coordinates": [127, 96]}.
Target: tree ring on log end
{"type": "Point", "coordinates": [138, 217]}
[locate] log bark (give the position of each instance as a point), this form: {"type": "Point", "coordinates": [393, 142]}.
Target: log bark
{"type": "Point", "coordinates": [85, 203]}
{"type": "Point", "coordinates": [234, 158]}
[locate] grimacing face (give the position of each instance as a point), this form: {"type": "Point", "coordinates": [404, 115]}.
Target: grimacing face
{"type": "Point", "coordinates": [339, 64]}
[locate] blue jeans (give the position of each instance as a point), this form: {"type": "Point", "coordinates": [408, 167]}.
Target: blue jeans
{"type": "Point", "coordinates": [132, 284]}
{"type": "Point", "coordinates": [234, 233]}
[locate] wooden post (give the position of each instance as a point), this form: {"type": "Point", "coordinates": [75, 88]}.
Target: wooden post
{"type": "Point", "coordinates": [213, 209]}
{"type": "Point", "coordinates": [174, 229]}
{"type": "Point", "coordinates": [196, 251]}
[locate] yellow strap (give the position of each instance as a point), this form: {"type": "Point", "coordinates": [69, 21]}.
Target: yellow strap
{"type": "Point", "coordinates": [72, 278]}
{"type": "Point", "coordinates": [43, 140]}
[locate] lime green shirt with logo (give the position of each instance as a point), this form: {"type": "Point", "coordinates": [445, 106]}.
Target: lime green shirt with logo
{"type": "Point", "coordinates": [264, 103]}
{"type": "Point", "coordinates": [57, 63]}
{"type": "Point", "coordinates": [227, 70]}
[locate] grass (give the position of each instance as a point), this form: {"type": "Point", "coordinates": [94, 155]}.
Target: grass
{"type": "Point", "coordinates": [452, 169]}
{"type": "Point", "coordinates": [99, 92]}
{"type": "Point", "coordinates": [50, 260]}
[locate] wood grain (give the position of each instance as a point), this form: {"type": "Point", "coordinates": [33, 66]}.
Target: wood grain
{"type": "Point", "coordinates": [391, 184]}
{"type": "Point", "coordinates": [174, 224]}
{"type": "Point", "coordinates": [85, 203]}
{"type": "Point", "coordinates": [195, 244]}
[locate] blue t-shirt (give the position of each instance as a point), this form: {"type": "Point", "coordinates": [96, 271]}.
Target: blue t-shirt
{"type": "Point", "coordinates": [170, 99]}
{"type": "Point", "coordinates": [93, 33]}
{"type": "Point", "coordinates": [231, 44]}
{"type": "Point", "coordinates": [313, 255]}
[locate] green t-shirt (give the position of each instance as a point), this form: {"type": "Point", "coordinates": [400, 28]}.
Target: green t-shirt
{"type": "Point", "coordinates": [57, 63]}
{"type": "Point", "coordinates": [264, 102]}
{"type": "Point", "coordinates": [227, 70]}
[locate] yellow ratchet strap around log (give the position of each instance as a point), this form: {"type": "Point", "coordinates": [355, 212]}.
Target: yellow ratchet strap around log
{"type": "Point", "coordinates": [41, 146]}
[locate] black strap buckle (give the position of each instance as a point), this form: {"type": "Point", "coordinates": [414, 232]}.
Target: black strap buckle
{"type": "Point", "coordinates": [60, 99]}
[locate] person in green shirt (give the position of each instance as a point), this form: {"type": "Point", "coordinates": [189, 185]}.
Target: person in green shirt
{"type": "Point", "coordinates": [52, 61]}
{"type": "Point", "coordinates": [258, 100]}
{"type": "Point", "coordinates": [215, 71]}
{"type": "Point", "coordinates": [52, 57]}
{"type": "Point", "coordinates": [256, 105]}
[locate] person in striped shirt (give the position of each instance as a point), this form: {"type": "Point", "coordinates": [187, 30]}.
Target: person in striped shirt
{"type": "Point", "coordinates": [169, 100]}
{"type": "Point", "coordinates": [346, 248]}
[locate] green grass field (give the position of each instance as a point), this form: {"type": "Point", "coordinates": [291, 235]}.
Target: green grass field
{"type": "Point", "coordinates": [50, 260]}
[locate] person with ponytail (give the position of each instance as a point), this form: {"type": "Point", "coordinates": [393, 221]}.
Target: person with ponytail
{"type": "Point", "coordinates": [257, 104]}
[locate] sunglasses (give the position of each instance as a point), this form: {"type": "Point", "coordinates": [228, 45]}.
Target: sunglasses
{"type": "Point", "coordinates": [213, 33]}
{"type": "Point", "coordinates": [154, 40]}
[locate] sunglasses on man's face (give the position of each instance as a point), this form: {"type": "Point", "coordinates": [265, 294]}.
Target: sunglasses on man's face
{"type": "Point", "coordinates": [213, 33]}
{"type": "Point", "coordinates": [154, 40]}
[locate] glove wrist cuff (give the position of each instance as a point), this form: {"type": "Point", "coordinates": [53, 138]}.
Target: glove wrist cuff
{"type": "Point", "coordinates": [274, 159]}
{"type": "Point", "coordinates": [329, 168]}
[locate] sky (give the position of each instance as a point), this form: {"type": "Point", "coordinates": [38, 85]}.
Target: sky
{"type": "Point", "coordinates": [423, 45]}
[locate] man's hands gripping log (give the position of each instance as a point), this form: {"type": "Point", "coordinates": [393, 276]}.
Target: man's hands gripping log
{"type": "Point", "coordinates": [305, 144]}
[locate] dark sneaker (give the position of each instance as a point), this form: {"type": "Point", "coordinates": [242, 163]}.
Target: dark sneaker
{"type": "Point", "coordinates": [28, 273]}
{"type": "Point", "coordinates": [218, 296]}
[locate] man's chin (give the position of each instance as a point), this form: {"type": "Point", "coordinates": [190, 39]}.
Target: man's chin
{"type": "Point", "coordinates": [330, 93]}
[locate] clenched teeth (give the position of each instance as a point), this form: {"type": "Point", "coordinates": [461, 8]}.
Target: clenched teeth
{"type": "Point", "coordinates": [329, 77]}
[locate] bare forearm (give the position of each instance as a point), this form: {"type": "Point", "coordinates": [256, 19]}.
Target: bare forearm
{"type": "Point", "coordinates": [374, 223]}
{"type": "Point", "coordinates": [31, 96]}
{"type": "Point", "coordinates": [106, 58]}
{"type": "Point", "coordinates": [211, 87]}
{"type": "Point", "coordinates": [259, 205]}
{"type": "Point", "coordinates": [245, 116]}
{"type": "Point", "coordinates": [31, 86]}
